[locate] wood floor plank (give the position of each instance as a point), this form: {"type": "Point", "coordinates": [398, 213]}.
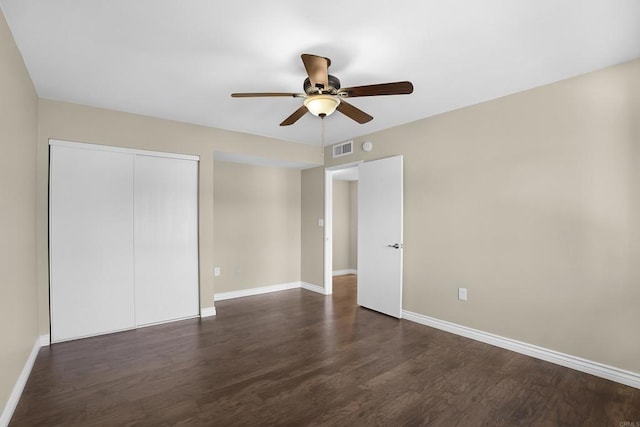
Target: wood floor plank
{"type": "Point", "coordinates": [302, 359]}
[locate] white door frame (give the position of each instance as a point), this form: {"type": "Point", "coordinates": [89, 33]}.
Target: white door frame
{"type": "Point", "coordinates": [328, 223]}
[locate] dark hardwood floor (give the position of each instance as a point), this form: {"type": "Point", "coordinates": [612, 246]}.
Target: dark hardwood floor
{"type": "Point", "coordinates": [298, 358]}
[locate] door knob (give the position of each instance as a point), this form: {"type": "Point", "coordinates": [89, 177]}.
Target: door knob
{"type": "Point", "coordinates": [396, 246]}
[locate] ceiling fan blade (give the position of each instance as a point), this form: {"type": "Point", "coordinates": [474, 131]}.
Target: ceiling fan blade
{"type": "Point", "coordinates": [264, 94]}
{"type": "Point", "coordinates": [295, 116]}
{"type": "Point", "coordinates": [395, 88]}
{"type": "Point", "coordinates": [354, 113]}
{"type": "Point", "coordinates": [317, 68]}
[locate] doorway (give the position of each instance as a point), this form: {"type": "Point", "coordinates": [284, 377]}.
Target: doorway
{"type": "Point", "coordinates": [341, 201]}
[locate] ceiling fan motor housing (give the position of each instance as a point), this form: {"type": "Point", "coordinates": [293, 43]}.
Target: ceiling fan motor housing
{"type": "Point", "coordinates": [334, 85]}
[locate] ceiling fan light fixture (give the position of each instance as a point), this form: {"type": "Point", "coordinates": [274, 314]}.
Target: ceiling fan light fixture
{"type": "Point", "coordinates": [321, 105]}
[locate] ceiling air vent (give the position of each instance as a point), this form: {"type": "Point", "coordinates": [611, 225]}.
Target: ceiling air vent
{"type": "Point", "coordinates": [342, 149]}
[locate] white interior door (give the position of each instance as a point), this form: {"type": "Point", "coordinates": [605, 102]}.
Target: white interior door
{"type": "Point", "coordinates": [380, 210]}
{"type": "Point", "coordinates": [166, 239]}
{"type": "Point", "coordinates": [91, 242]}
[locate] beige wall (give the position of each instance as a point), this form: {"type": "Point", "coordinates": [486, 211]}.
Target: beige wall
{"type": "Point", "coordinates": [353, 225]}
{"type": "Point", "coordinates": [345, 225]}
{"type": "Point", "coordinates": [18, 134]}
{"type": "Point", "coordinates": [256, 224]}
{"type": "Point", "coordinates": [312, 236]}
{"type": "Point", "coordinates": [341, 225]}
{"type": "Point", "coordinates": [532, 202]}
{"type": "Point", "coordinates": [73, 122]}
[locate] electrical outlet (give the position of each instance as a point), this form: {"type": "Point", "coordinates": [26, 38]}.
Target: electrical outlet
{"type": "Point", "coordinates": [462, 294]}
{"type": "Point", "coordinates": [216, 271]}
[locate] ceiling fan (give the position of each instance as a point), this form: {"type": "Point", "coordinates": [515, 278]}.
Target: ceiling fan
{"type": "Point", "coordinates": [323, 94]}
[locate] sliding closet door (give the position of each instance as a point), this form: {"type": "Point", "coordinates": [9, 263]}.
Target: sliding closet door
{"type": "Point", "coordinates": [166, 239]}
{"type": "Point", "coordinates": [91, 242]}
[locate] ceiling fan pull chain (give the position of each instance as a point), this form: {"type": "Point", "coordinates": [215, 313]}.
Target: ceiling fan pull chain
{"type": "Point", "coordinates": [322, 137]}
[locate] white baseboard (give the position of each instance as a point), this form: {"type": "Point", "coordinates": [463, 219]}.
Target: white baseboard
{"type": "Point", "coordinates": [14, 397]}
{"type": "Point", "coordinates": [343, 272]}
{"type": "Point", "coordinates": [267, 289]}
{"type": "Point", "coordinates": [312, 287]}
{"type": "Point", "coordinates": [207, 312]}
{"type": "Point", "coordinates": [621, 376]}
{"type": "Point", "coordinates": [255, 291]}
{"type": "Point", "coordinates": [45, 340]}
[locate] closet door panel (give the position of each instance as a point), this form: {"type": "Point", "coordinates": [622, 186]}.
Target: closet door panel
{"type": "Point", "coordinates": [166, 239]}
{"type": "Point", "coordinates": [91, 242]}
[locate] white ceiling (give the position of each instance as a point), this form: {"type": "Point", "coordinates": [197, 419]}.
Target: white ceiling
{"type": "Point", "coordinates": [180, 60]}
